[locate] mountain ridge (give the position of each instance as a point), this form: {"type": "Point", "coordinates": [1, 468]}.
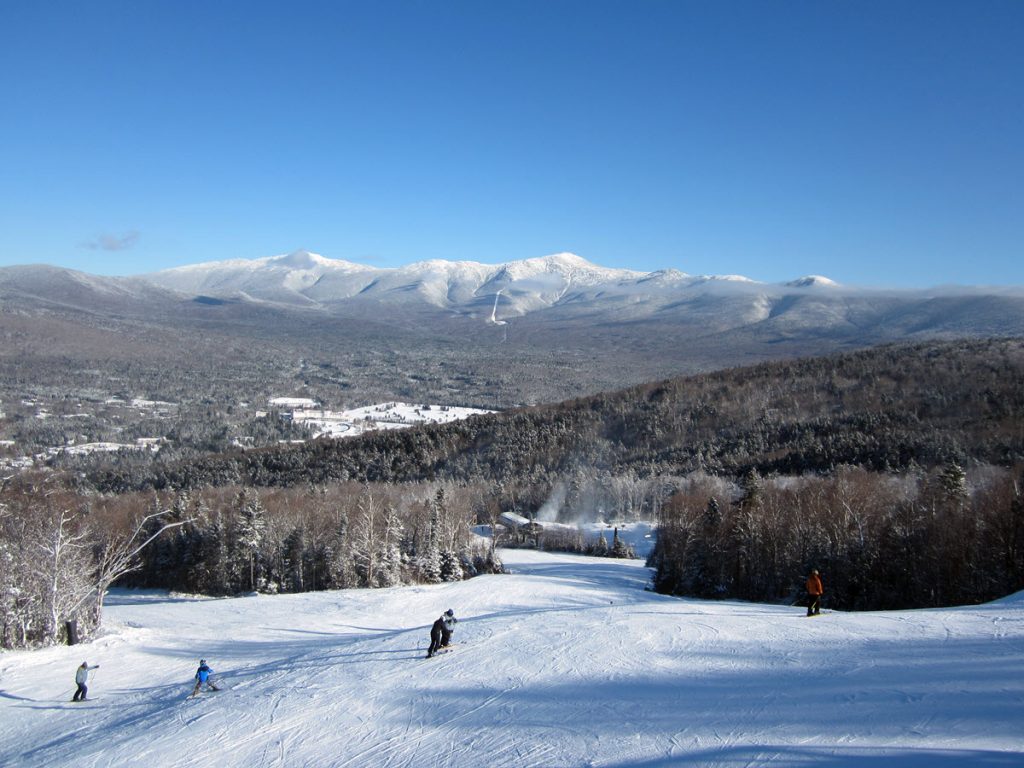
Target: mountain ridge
{"type": "Point", "coordinates": [507, 290]}
{"type": "Point", "coordinates": [470, 333]}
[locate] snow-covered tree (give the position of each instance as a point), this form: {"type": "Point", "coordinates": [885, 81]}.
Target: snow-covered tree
{"type": "Point", "coordinates": [293, 560]}
{"type": "Point", "coordinates": [250, 525]}
{"type": "Point", "coordinates": [428, 560]}
{"type": "Point", "coordinates": [953, 481]}
{"type": "Point", "coordinates": [365, 539]}
{"type": "Point", "coordinates": [62, 567]}
{"type": "Point", "coordinates": [391, 560]}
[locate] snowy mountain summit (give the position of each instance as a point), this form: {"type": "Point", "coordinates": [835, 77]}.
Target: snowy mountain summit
{"type": "Point", "coordinates": [813, 281]}
{"type": "Point", "coordinates": [567, 266]}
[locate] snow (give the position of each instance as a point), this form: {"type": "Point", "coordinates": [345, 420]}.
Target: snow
{"type": "Point", "coordinates": [140, 444]}
{"type": "Point", "coordinates": [138, 402]}
{"type": "Point", "coordinates": [567, 661]}
{"type": "Point", "coordinates": [640, 536]}
{"type": "Point", "coordinates": [569, 266]}
{"type": "Point", "coordinates": [813, 281]}
{"type": "Point", "coordinates": [393, 415]}
{"type": "Point", "coordinates": [308, 279]}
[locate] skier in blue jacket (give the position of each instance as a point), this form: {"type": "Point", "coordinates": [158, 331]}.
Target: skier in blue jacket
{"type": "Point", "coordinates": [203, 677]}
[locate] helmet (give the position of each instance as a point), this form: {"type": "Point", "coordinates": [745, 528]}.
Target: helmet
{"type": "Point", "coordinates": [449, 612]}
{"type": "Point", "coordinates": [202, 661]}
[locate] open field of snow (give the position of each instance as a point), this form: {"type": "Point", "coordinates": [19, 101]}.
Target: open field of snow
{"type": "Point", "coordinates": [392, 415]}
{"type": "Point", "coordinates": [567, 661]}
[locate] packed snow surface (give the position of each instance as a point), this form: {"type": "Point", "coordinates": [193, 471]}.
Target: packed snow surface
{"type": "Point", "coordinates": [567, 661]}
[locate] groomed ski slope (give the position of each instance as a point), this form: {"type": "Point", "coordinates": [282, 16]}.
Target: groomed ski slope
{"type": "Point", "coordinates": [567, 661]}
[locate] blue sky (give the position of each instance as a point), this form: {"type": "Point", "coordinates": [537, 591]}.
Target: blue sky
{"type": "Point", "coordinates": [876, 143]}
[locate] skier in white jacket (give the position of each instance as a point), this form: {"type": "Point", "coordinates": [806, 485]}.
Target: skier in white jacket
{"type": "Point", "coordinates": [81, 678]}
{"type": "Point", "coordinates": [449, 626]}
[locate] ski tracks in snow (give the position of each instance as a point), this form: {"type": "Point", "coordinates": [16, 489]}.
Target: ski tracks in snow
{"type": "Point", "coordinates": [566, 662]}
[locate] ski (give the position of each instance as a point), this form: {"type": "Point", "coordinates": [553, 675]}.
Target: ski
{"type": "Point", "coordinates": [196, 695]}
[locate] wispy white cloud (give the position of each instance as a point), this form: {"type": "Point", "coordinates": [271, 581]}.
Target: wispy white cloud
{"type": "Point", "coordinates": [111, 242]}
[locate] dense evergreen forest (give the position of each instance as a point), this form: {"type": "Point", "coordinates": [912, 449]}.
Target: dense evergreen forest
{"type": "Point", "coordinates": [889, 409]}
{"type": "Point", "coordinates": [897, 471]}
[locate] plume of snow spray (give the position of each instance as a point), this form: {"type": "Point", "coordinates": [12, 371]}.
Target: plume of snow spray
{"type": "Point", "coordinates": [548, 512]}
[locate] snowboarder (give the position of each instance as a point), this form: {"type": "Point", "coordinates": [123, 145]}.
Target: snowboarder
{"type": "Point", "coordinates": [436, 635]}
{"type": "Point", "coordinates": [814, 593]}
{"type": "Point", "coordinates": [81, 678]}
{"type": "Point", "coordinates": [203, 676]}
{"type": "Point", "coordinates": [449, 626]}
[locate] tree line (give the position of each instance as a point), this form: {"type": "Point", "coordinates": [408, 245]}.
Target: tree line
{"type": "Point", "coordinates": [60, 551]}
{"type": "Point", "coordinates": [881, 540]}
{"type": "Point", "coordinates": [849, 464]}
{"type": "Point", "coordinates": [242, 540]}
{"type": "Point", "coordinates": [893, 408]}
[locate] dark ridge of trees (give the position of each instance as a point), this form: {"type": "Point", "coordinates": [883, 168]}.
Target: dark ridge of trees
{"type": "Point", "coordinates": [892, 408]}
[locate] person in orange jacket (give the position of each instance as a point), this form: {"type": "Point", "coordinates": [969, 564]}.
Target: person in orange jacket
{"type": "Point", "coordinates": [814, 593]}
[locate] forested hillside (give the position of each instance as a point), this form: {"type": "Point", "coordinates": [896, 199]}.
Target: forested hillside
{"type": "Point", "coordinates": [896, 471]}
{"type": "Point", "coordinates": [886, 409]}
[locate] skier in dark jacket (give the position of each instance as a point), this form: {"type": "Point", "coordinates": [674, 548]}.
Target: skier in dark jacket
{"type": "Point", "coordinates": [449, 626]}
{"type": "Point", "coordinates": [203, 677]}
{"type": "Point", "coordinates": [81, 678]}
{"type": "Point", "coordinates": [436, 635]}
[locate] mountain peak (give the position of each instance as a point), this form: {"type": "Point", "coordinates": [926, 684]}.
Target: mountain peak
{"type": "Point", "coordinates": [301, 259]}
{"type": "Point", "coordinates": [812, 281]}
{"type": "Point", "coordinates": [565, 258]}
{"type": "Point", "coordinates": [568, 265]}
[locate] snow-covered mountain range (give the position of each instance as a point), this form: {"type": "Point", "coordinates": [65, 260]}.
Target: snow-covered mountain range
{"type": "Point", "coordinates": [492, 290]}
{"type": "Point", "coordinates": [562, 287]}
{"type": "Point", "coordinates": [545, 328]}
{"type": "Point", "coordinates": [566, 287]}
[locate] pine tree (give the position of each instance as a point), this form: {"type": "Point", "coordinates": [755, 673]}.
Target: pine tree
{"type": "Point", "coordinates": [751, 488]}
{"type": "Point", "coordinates": [450, 566]}
{"type": "Point", "coordinates": [428, 561]}
{"type": "Point", "coordinates": [954, 482]}
{"type": "Point", "coordinates": [619, 547]}
{"type": "Point", "coordinates": [294, 560]}
{"type": "Point", "coordinates": [341, 573]}
{"type": "Point", "coordinates": [391, 549]}
{"type": "Point", "coordinates": [249, 529]}
{"type": "Point", "coordinates": [703, 559]}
